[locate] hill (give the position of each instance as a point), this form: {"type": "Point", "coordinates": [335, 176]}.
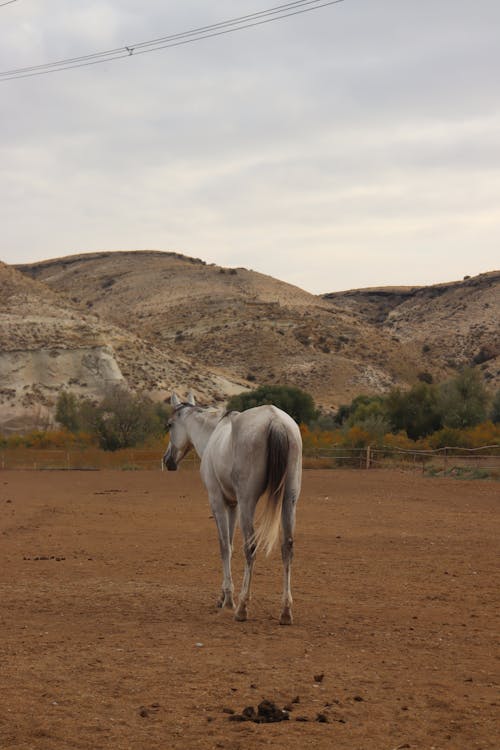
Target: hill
{"type": "Point", "coordinates": [47, 343]}
{"type": "Point", "coordinates": [450, 325]}
{"type": "Point", "coordinates": [168, 321]}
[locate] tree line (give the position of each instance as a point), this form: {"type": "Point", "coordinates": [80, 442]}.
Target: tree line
{"type": "Point", "coordinates": [123, 419]}
{"type": "Point", "coordinates": [459, 403]}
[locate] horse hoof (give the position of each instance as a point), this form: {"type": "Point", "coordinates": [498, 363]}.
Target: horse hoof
{"type": "Point", "coordinates": [286, 618]}
{"type": "Point", "coordinates": [241, 614]}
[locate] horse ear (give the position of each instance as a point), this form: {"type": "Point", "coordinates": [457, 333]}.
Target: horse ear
{"type": "Point", "coordinates": [174, 399]}
{"type": "Point", "coordinates": [190, 398]}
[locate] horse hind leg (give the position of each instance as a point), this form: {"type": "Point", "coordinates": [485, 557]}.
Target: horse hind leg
{"type": "Point", "coordinates": [225, 519]}
{"type": "Point", "coordinates": [227, 599]}
{"type": "Point", "coordinates": [288, 527]}
{"type": "Point", "coordinates": [249, 546]}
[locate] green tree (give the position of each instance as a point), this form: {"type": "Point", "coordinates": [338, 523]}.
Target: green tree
{"type": "Point", "coordinates": [463, 400]}
{"type": "Point", "coordinates": [416, 411]}
{"type": "Point", "coordinates": [297, 403]}
{"type": "Point", "coordinates": [125, 419]}
{"type": "Point", "coordinates": [121, 420]}
{"type": "Point", "coordinates": [68, 411]}
{"type": "Point", "coordinates": [369, 413]}
{"type": "Point", "coordinates": [361, 408]}
{"type": "Point", "coordinates": [342, 414]}
{"type": "Point", "coordinates": [495, 408]}
{"type": "Point", "coordinates": [366, 407]}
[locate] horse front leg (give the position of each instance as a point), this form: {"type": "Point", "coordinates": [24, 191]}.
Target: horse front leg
{"type": "Point", "coordinates": [249, 547]}
{"type": "Point", "coordinates": [224, 518]}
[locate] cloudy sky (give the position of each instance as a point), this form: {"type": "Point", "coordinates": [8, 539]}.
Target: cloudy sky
{"type": "Point", "coordinates": [352, 146]}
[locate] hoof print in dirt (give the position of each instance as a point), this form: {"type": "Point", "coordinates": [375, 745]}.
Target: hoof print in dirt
{"type": "Point", "coordinates": [267, 713]}
{"type": "Point", "coordinates": [319, 677]}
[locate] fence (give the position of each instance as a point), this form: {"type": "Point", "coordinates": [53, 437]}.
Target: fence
{"type": "Point", "coordinates": [445, 460]}
{"type": "Point", "coordinates": [442, 460]}
{"type": "Point", "coordinates": [85, 459]}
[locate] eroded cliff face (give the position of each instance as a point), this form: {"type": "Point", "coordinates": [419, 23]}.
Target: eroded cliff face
{"type": "Point", "coordinates": [32, 379]}
{"type": "Point", "coordinates": [49, 344]}
{"type": "Point", "coordinates": [45, 346]}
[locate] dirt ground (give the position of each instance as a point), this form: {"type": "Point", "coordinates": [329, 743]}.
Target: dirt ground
{"type": "Point", "coordinates": [109, 637]}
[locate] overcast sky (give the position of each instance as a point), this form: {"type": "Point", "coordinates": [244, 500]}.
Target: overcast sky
{"type": "Point", "coordinates": [352, 146]}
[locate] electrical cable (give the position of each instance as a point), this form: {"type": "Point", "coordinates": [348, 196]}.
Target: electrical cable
{"type": "Point", "coordinates": [174, 40]}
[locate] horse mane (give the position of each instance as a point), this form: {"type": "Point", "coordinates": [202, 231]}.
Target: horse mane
{"type": "Point", "coordinates": [183, 405]}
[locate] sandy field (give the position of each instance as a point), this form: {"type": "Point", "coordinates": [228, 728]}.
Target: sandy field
{"type": "Point", "coordinates": [110, 638]}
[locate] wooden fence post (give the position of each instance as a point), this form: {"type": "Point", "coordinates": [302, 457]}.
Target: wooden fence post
{"type": "Point", "coordinates": [368, 456]}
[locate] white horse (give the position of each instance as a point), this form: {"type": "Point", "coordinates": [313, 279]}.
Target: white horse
{"type": "Point", "coordinates": [244, 456]}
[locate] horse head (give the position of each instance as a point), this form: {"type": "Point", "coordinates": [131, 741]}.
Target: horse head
{"type": "Point", "coordinates": [180, 443]}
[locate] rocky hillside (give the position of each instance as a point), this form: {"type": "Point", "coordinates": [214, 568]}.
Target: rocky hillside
{"type": "Point", "coordinates": [48, 343]}
{"type": "Point", "coordinates": [44, 344]}
{"type": "Point", "coordinates": [162, 320]}
{"type": "Point", "coordinates": [253, 328]}
{"type": "Point", "coordinates": [445, 325]}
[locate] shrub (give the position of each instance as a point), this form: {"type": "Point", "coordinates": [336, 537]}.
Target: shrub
{"type": "Point", "coordinates": [68, 411]}
{"type": "Point", "coordinates": [463, 401]}
{"type": "Point", "coordinates": [360, 409]}
{"type": "Point", "coordinates": [495, 408]}
{"type": "Point", "coordinates": [122, 419]}
{"type": "Point", "coordinates": [297, 403]}
{"type": "Point", "coordinates": [357, 437]}
{"type": "Point", "coordinates": [415, 411]}
{"type": "Point", "coordinates": [448, 437]}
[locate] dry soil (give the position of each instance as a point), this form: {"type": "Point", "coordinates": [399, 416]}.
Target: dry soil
{"type": "Point", "coordinates": [109, 637]}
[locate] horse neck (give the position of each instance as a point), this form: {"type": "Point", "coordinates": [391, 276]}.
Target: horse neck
{"type": "Point", "coordinates": [200, 426]}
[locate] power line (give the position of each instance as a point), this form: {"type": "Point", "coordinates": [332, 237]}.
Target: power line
{"type": "Point", "coordinates": [171, 37]}
{"type": "Point", "coordinates": [173, 40]}
{"type": "Point", "coordinates": [8, 3]}
{"type": "Point", "coordinates": [203, 32]}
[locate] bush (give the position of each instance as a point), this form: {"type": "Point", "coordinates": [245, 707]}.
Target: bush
{"type": "Point", "coordinates": [121, 420]}
{"type": "Point", "coordinates": [416, 411]}
{"type": "Point", "coordinates": [360, 409]}
{"type": "Point", "coordinates": [297, 403]}
{"type": "Point", "coordinates": [495, 408]}
{"type": "Point", "coordinates": [463, 401]}
{"type": "Point", "coordinates": [68, 411]}
{"type": "Point", "coordinates": [357, 437]}
{"type": "Point", "coordinates": [124, 419]}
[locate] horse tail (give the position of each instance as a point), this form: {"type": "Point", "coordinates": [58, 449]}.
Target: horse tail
{"type": "Point", "coordinates": [268, 528]}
